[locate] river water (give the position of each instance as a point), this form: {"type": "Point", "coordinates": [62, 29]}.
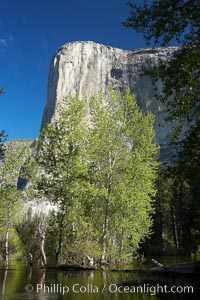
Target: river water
{"type": "Point", "coordinates": [21, 283]}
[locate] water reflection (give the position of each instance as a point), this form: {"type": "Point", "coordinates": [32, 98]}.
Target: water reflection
{"type": "Point", "coordinates": [80, 285]}
{"type": "Point", "coordinates": [4, 277]}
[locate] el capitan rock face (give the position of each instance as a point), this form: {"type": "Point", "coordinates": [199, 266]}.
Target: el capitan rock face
{"type": "Point", "coordinates": [87, 68]}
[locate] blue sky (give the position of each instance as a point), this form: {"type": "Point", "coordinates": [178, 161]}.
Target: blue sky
{"type": "Point", "coordinates": [31, 32]}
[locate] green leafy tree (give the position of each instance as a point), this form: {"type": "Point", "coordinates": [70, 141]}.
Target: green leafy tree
{"type": "Point", "coordinates": [162, 22]}
{"type": "Point", "coordinates": [123, 169]}
{"type": "Point", "coordinates": [99, 168]}
{"type": "Point", "coordinates": [31, 230]}
{"type": "Point", "coordinates": [165, 21]}
{"type": "Point", "coordinates": [60, 156]}
{"type": "Point", "coordinates": [15, 154]}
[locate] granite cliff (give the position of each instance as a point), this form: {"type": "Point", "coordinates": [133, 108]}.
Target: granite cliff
{"type": "Point", "coordinates": [87, 68]}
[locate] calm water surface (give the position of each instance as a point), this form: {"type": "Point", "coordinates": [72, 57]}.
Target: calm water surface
{"type": "Point", "coordinates": [22, 283]}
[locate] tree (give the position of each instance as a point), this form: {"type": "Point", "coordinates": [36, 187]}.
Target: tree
{"type": "Point", "coordinates": [177, 218]}
{"type": "Point", "coordinates": [31, 230]}
{"type": "Point", "coordinates": [99, 169]}
{"type": "Point", "coordinates": [163, 22]}
{"type": "Point", "coordinates": [15, 154]}
{"type": "Point", "coordinates": [174, 210]}
{"type": "Point", "coordinates": [60, 157]}
{"type": "Point", "coordinates": [188, 166]}
{"type": "Point", "coordinates": [123, 169]}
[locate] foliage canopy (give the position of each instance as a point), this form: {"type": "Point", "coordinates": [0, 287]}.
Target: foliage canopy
{"type": "Point", "coordinates": [163, 22]}
{"type": "Point", "coordinates": [99, 166]}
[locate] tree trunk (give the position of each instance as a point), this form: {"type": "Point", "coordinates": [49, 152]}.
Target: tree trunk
{"type": "Point", "coordinates": [41, 239]}
{"type": "Point", "coordinates": [122, 246]}
{"type": "Point", "coordinates": [60, 238]}
{"type": "Point", "coordinates": [44, 259]}
{"type": "Point", "coordinates": [5, 273]}
{"type": "Point", "coordinates": [30, 258]}
{"type": "Point", "coordinates": [161, 231]}
{"type": "Point", "coordinates": [174, 229]}
{"type": "Point", "coordinates": [6, 250]}
{"type": "Point", "coordinates": [105, 233]}
{"type": "Point", "coordinates": [108, 203]}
